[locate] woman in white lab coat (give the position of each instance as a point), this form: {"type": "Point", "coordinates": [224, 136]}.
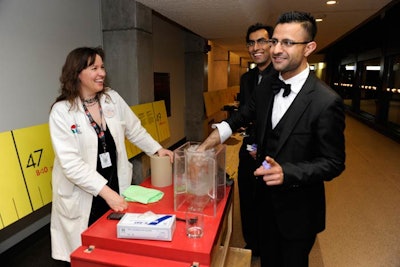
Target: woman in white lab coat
{"type": "Point", "coordinates": [88, 126]}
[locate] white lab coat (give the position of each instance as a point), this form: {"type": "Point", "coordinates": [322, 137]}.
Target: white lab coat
{"type": "Point", "coordinates": [74, 178]}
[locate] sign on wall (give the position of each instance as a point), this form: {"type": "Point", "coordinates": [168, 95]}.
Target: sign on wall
{"type": "Point", "coordinates": [26, 160]}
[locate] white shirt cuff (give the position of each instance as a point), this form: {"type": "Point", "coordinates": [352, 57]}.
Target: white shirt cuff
{"type": "Point", "coordinates": [224, 130]}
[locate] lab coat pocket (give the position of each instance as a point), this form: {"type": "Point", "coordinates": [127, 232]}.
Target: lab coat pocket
{"type": "Point", "coordinates": [69, 200]}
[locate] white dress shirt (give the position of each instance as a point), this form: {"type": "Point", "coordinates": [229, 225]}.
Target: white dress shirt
{"type": "Point", "coordinates": [281, 104]}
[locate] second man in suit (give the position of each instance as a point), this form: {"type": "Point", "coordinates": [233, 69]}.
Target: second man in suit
{"type": "Point", "coordinates": [257, 37]}
{"type": "Point", "coordinates": [301, 145]}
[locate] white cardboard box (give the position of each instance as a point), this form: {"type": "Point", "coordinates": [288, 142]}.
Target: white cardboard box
{"type": "Point", "coordinates": [147, 226]}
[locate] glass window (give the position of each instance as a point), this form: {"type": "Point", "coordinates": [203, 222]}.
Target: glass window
{"type": "Point", "coordinates": [394, 91]}
{"type": "Point", "coordinates": [369, 83]}
{"type": "Point", "coordinates": [346, 82]}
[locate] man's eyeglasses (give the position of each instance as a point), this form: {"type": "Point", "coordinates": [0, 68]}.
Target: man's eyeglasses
{"type": "Point", "coordinates": [260, 41]}
{"type": "Point", "coordinates": [285, 42]}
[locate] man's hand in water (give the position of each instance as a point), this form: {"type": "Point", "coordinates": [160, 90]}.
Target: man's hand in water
{"type": "Point", "coordinates": [211, 141]}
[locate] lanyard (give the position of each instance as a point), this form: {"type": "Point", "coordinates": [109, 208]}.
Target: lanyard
{"type": "Point", "coordinates": [99, 130]}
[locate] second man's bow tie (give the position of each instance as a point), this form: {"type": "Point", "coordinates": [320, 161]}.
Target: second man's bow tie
{"type": "Point", "coordinates": [278, 85]}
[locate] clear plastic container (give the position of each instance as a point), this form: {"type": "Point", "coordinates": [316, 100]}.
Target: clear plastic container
{"type": "Point", "coordinates": [199, 178]}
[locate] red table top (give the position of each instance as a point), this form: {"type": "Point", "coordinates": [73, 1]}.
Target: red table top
{"type": "Point", "coordinates": [103, 233]}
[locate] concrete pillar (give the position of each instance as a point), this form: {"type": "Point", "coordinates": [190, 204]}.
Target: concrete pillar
{"type": "Point", "coordinates": [128, 44]}
{"type": "Point", "coordinates": [196, 84]}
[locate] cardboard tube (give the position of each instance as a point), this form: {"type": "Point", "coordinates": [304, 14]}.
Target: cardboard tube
{"type": "Point", "coordinates": [161, 171]}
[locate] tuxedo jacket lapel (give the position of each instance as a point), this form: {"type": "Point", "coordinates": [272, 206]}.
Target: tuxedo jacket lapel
{"type": "Point", "coordinates": [264, 107]}
{"type": "Point", "coordinates": [296, 110]}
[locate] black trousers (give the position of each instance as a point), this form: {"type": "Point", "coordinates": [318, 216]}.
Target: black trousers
{"type": "Point", "coordinates": [275, 249]}
{"type": "Point", "coordinates": [246, 185]}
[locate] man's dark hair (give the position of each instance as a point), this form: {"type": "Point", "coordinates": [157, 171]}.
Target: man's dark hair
{"type": "Point", "coordinates": [306, 19]}
{"type": "Point", "coordinates": [259, 26]}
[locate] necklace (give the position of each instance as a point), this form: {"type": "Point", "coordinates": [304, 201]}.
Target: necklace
{"type": "Point", "coordinates": [91, 103]}
{"type": "Point", "coordinates": [91, 100]}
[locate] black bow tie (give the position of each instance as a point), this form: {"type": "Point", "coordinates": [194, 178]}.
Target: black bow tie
{"type": "Point", "coordinates": [278, 84]}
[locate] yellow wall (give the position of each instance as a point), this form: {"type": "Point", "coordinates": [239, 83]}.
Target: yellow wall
{"type": "Point", "coordinates": [26, 161]}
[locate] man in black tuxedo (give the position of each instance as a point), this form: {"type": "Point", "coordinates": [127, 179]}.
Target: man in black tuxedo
{"type": "Point", "coordinates": [257, 37]}
{"type": "Point", "coordinates": [300, 138]}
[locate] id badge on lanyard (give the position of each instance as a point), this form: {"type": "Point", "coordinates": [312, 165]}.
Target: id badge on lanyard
{"type": "Point", "coordinates": [105, 160]}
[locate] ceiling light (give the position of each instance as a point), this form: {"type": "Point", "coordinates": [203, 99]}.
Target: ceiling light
{"type": "Point", "coordinates": [373, 68]}
{"type": "Point", "coordinates": [331, 2]}
{"type": "Point", "coordinates": [320, 17]}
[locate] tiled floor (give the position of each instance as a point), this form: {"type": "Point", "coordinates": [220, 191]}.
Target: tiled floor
{"type": "Point", "coordinates": [363, 204]}
{"type": "Point", "coordinates": [363, 208]}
